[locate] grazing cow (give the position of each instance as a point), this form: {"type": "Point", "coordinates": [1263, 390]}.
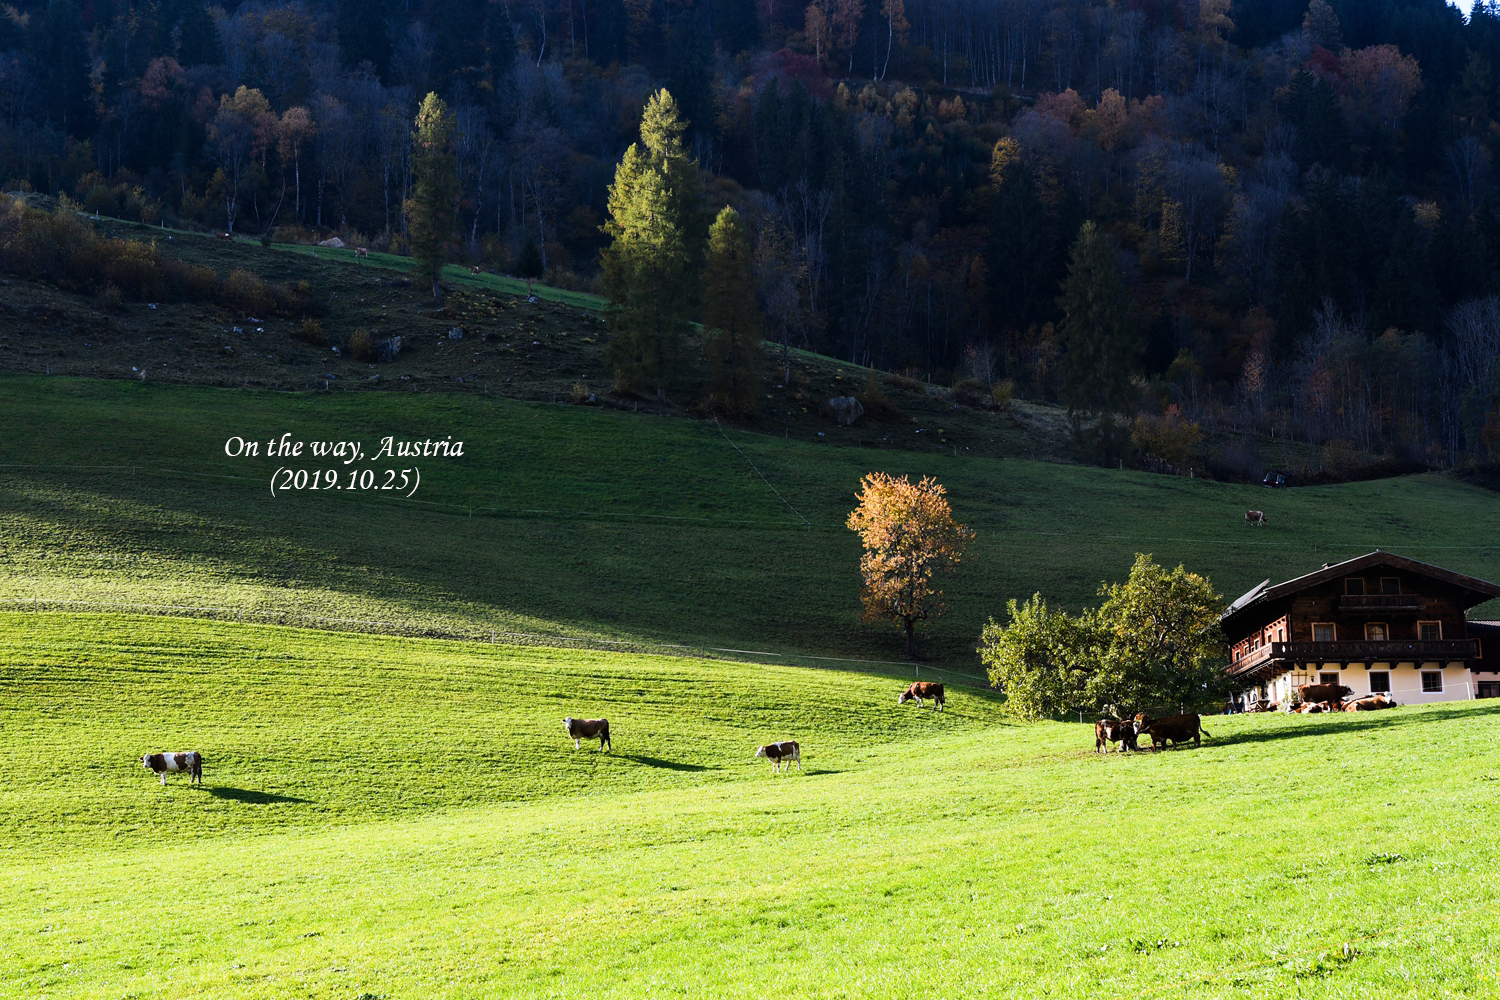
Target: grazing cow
{"type": "Point", "coordinates": [1107, 731]}
{"type": "Point", "coordinates": [924, 689]}
{"type": "Point", "coordinates": [1255, 517]}
{"type": "Point", "coordinates": [473, 268]}
{"type": "Point", "coordinates": [163, 764]}
{"type": "Point", "coordinates": [225, 236]}
{"type": "Point", "coordinates": [1324, 692]}
{"type": "Point", "coordinates": [587, 729]}
{"type": "Point", "coordinates": [1370, 703]}
{"type": "Point", "coordinates": [361, 252]}
{"type": "Point", "coordinates": [1170, 730]}
{"type": "Point", "coordinates": [777, 752]}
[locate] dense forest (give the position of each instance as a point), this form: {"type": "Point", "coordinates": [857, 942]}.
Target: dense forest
{"type": "Point", "coordinates": [1288, 206]}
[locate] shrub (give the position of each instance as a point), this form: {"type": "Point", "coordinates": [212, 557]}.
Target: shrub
{"type": "Point", "coordinates": [876, 403]}
{"type": "Point", "coordinates": [310, 332]}
{"type": "Point", "coordinates": [970, 392]}
{"type": "Point", "coordinates": [108, 298]}
{"type": "Point", "coordinates": [581, 394]}
{"type": "Point", "coordinates": [362, 346]}
{"type": "Point", "coordinates": [1004, 392]}
{"type": "Point", "coordinates": [247, 292]}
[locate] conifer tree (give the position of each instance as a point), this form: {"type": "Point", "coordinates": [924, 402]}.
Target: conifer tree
{"type": "Point", "coordinates": [1099, 353]}
{"type": "Point", "coordinates": [432, 208]}
{"type": "Point", "coordinates": [657, 228]}
{"type": "Point", "coordinates": [730, 316]}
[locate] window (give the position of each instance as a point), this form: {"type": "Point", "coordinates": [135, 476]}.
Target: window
{"type": "Point", "coordinates": [1380, 682]}
{"type": "Point", "coordinates": [1328, 678]}
{"type": "Point", "coordinates": [1281, 635]}
{"type": "Point", "coordinates": [1354, 587]}
{"type": "Point", "coordinates": [1429, 631]}
{"type": "Point", "coordinates": [1390, 585]}
{"type": "Point", "coordinates": [1376, 632]}
{"type": "Point", "coordinates": [1323, 632]}
{"type": "Point", "coordinates": [1432, 680]}
{"type": "Point", "coordinates": [1489, 689]}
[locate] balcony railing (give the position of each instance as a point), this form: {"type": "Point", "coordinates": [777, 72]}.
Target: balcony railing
{"type": "Point", "coordinates": [1360, 651]}
{"type": "Point", "coordinates": [1380, 602]}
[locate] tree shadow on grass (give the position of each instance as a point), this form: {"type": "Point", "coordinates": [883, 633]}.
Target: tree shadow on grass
{"type": "Point", "coordinates": [252, 797]}
{"type": "Point", "coordinates": [671, 765]}
{"type": "Point", "coordinates": [1394, 718]}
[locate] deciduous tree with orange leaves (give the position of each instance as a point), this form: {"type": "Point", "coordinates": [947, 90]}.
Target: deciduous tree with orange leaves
{"type": "Point", "coordinates": [909, 536]}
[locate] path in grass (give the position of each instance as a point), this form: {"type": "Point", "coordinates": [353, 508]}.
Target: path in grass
{"type": "Point", "coordinates": [341, 847]}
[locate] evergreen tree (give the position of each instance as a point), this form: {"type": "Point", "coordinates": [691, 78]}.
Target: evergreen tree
{"type": "Point", "coordinates": [1321, 25]}
{"type": "Point", "coordinates": [364, 35]}
{"type": "Point", "coordinates": [1099, 353]}
{"type": "Point", "coordinates": [608, 32]}
{"type": "Point", "coordinates": [1026, 257]}
{"type": "Point", "coordinates": [431, 211]}
{"type": "Point", "coordinates": [736, 25]}
{"type": "Point", "coordinates": [657, 232]}
{"type": "Point", "coordinates": [458, 55]}
{"type": "Point", "coordinates": [731, 317]}
{"type": "Point", "coordinates": [499, 42]}
{"type": "Point", "coordinates": [62, 60]}
{"type": "Point", "coordinates": [198, 42]}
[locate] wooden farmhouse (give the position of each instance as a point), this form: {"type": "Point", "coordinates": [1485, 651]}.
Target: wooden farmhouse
{"type": "Point", "coordinates": [1376, 623]}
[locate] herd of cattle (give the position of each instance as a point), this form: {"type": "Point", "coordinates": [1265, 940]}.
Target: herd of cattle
{"type": "Point", "coordinates": [1168, 731]}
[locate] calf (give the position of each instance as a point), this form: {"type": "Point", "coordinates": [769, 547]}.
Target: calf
{"type": "Point", "coordinates": [1324, 692]}
{"type": "Point", "coordinates": [163, 764]}
{"type": "Point", "coordinates": [587, 729]}
{"type": "Point", "coordinates": [1255, 517]}
{"type": "Point", "coordinates": [1170, 730]}
{"type": "Point", "coordinates": [1107, 731]}
{"type": "Point", "coordinates": [777, 752]}
{"type": "Point", "coordinates": [924, 689]}
{"type": "Point", "coordinates": [1369, 703]}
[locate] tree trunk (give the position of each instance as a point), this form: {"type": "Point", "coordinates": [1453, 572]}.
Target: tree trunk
{"type": "Point", "coordinates": [911, 639]}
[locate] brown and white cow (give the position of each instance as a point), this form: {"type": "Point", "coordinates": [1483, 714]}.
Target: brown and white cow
{"type": "Point", "coordinates": [1255, 517]}
{"type": "Point", "coordinates": [473, 268]}
{"type": "Point", "coordinates": [1369, 703]}
{"type": "Point", "coordinates": [1324, 692]}
{"type": "Point", "coordinates": [776, 753]}
{"type": "Point", "coordinates": [924, 689]}
{"type": "Point", "coordinates": [190, 763]}
{"type": "Point", "coordinates": [361, 251]}
{"type": "Point", "coordinates": [587, 729]}
{"type": "Point", "coordinates": [225, 236]}
{"type": "Point", "coordinates": [1121, 731]}
{"type": "Point", "coordinates": [1170, 730]}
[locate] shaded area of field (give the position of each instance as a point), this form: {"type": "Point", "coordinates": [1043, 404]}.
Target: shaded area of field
{"type": "Point", "coordinates": [359, 833]}
{"type": "Point", "coordinates": [560, 520]}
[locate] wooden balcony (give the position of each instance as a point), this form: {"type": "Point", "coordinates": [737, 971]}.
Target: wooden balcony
{"type": "Point", "coordinates": [1367, 603]}
{"type": "Point", "coordinates": [1388, 651]}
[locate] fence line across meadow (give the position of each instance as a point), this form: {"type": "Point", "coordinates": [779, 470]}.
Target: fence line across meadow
{"type": "Point", "coordinates": [479, 634]}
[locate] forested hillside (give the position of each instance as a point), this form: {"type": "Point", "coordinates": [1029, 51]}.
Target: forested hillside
{"type": "Point", "coordinates": [1293, 215]}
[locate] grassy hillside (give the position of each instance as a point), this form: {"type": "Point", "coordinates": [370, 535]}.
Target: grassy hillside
{"type": "Point", "coordinates": [405, 818]}
{"type": "Point", "coordinates": [570, 521]}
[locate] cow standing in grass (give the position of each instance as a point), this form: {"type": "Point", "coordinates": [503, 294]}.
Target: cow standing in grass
{"type": "Point", "coordinates": [924, 689]}
{"type": "Point", "coordinates": [787, 751]}
{"type": "Point", "coordinates": [1255, 517]}
{"type": "Point", "coordinates": [1171, 730]}
{"type": "Point", "coordinates": [1121, 731]}
{"type": "Point", "coordinates": [587, 729]}
{"type": "Point", "coordinates": [189, 763]}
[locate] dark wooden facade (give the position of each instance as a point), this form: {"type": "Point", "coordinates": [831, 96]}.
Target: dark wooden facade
{"type": "Point", "coordinates": [1378, 611]}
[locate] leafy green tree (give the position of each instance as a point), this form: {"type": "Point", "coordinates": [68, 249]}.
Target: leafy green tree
{"type": "Point", "coordinates": [1099, 350]}
{"type": "Point", "coordinates": [431, 211]}
{"type": "Point", "coordinates": [657, 229]}
{"type": "Point", "coordinates": [1155, 645]}
{"type": "Point", "coordinates": [731, 317]}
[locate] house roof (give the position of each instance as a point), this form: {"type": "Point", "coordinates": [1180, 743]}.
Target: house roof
{"type": "Point", "coordinates": [1478, 591]}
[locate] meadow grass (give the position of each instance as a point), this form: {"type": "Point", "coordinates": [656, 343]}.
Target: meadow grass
{"type": "Point", "coordinates": [566, 520]}
{"type": "Point", "coordinates": [403, 818]}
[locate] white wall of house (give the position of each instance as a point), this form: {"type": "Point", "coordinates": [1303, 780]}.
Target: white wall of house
{"type": "Point", "coordinates": [1406, 681]}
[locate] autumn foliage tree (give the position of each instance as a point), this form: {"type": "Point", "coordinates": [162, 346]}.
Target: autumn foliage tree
{"type": "Point", "coordinates": [910, 537]}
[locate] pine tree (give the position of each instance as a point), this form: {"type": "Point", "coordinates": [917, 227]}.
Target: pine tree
{"type": "Point", "coordinates": [731, 317]}
{"type": "Point", "coordinates": [1099, 354]}
{"type": "Point", "coordinates": [431, 210]}
{"type": "Point", "coordinates": [364, 35]}
{"type": "Point", "coordinates": [1321, 25]}
{"type": "Point", "coordinates": [657, 228]}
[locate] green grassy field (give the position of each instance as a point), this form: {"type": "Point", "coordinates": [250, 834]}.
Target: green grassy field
{"type": "Point", "coordinates": [571, 521]}
{"type": "Point", "coordinates": [404, 818]}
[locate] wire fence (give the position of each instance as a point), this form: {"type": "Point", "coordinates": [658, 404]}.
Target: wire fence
{"type": "Point", "coordinates": [293, 618]}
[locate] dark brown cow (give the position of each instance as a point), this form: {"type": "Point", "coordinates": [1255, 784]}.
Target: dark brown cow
{"type": "Point", "coordinates": [1369, 703]}
{"type": "Point", "coordinates": [1324, 692]}
{"type": "Point", "coordinates": [587, 729]}
{"type": "Point", "coordinates": [1255, 517]}
{"type": "Point", "coordinates": [1121, 731]}
{"type": "Point", "coordinates": [190, 763]}
{"type": "Point", "coordinates": [225, 236]}
{"type": "Point", "coordinates": [777, 752]}
{"type": "Point", "coordinates": [924, 689]}
{"type": "Point", "coordinates": [1171, 730]}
